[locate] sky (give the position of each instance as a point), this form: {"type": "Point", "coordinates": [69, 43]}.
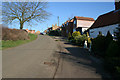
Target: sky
{"type": "Point", "coordinates": [66, 10]}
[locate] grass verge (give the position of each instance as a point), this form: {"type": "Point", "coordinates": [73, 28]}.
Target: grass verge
{"type": "Point", "coordinates": [9, 44]}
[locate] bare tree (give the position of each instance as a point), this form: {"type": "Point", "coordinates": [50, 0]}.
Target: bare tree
{"type": "Point", "coordinates": [24, 12]}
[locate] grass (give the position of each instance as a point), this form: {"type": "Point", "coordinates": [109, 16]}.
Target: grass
{"type": "Point", "coordinates": [9, 44]}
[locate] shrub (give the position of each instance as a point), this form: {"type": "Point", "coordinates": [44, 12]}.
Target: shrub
{"type": "Point", "coordinates": [98, 47]}
{"type": "Point", "coordinates": [76, 33]}
{"type": "Point", "coordinates": [55, 33]}
{"type": "Point", "coordinates": [14, 34]}
{"type": "Point", "coordinates": [80, 39]}
{"type": "Point", "coordinates": [69, 36]}
{"type": "Point", "coordinates": [108, 39]}
{"type": "Point", "coordinates": [113, 50]}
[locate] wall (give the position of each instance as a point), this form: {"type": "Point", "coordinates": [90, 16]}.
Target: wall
{"type": "Point", "coordinates": [84, 23]}
{"type": "Point", "coordinates": [94, 32]}
{"type": "Point", "coordinates": [83, 29]}
{"type": "Point", "coordinates": [54, 27]}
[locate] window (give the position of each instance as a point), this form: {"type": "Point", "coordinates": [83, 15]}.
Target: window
{"type": "Point", "coordinates": [67, 23]}
{"type": "Point", "coordinates": [74, 21]}
{"type": "Point", "coordinates": [74, 30]}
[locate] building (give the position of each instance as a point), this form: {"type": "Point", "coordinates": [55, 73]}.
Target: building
{"type": "Point", "coordinates": [69, 27]}
{"type": "Point", "coordinates": [54, 27]}
{"type": "Point", "coordinates": [63, 32]}
{"type": "Point", "coordinates": [38, 32]}
{"type": "Point", "coordinates": [106, 22]}
{"type": "Point", "coordinates": [82, 23]}
{"type": "Point", "coordinates": [30, 31]}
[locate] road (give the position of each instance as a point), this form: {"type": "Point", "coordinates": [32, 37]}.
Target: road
{"type": "Point", "coordinates": [27, 61]}
{"type": "Point", "coordinates": [76, 62]}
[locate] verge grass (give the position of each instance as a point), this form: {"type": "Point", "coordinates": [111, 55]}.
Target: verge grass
{"type": "Point", "coordinates": [10, 43]}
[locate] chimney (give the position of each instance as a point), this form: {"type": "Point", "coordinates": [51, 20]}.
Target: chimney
{"type": "Point", "coordinates": [52, 25]}
{"type": "Point", "coordinates": [117, 4]}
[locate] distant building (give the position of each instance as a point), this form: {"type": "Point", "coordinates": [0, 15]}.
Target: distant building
{"type": "Point", "coordinates": [69, 27]}
{"type": "Point", "coordinates": [38, 32]}
{"type": "Point", "coordinates": [30, 31]}
{"type": "Point", "coordinates": [82, 23]}
{"type": "Point", "coordinates": [63, 31]}
{"type": "Point", "coordinates": [54, 27]}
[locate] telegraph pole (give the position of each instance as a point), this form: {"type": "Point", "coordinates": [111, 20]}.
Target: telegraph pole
{"type": "Point", "coordinates": [58, 20]}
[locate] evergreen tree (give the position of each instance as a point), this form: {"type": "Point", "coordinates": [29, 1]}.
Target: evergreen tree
{"type": "Point", "coordinates": [117, 34]}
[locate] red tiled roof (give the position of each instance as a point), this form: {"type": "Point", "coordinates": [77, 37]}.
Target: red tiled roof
{"type": "Point", "coordinates": [84, 18]}
{"type": "Point", "coordinates": [107, 19]}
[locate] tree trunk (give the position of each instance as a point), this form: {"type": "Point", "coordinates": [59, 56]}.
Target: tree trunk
{"type": "Point", "coordinates": [21, 25]}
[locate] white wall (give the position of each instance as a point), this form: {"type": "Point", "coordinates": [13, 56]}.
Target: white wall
{"type": "Point", "coordinates": [84, 23]}
{"type": "Point", "coordinates": [94, 32]}
{"type": "Point", "coordinates": [83, 29]}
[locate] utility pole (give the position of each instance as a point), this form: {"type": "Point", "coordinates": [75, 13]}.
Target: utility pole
{"type": "Point", "coordinates": [58, 20]}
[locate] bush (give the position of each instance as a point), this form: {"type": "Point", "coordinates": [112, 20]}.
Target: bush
{"type": "Point", "coordinates": [113, 50]}
{"type": "Point", "coordinates": [98, 47]}
{"type": "Point", "coordinates": [108, 39]}
{"type": "Point", "coordinates": [69, 36]}
{"type": "Point", "coordinates": [14, 34]}
{"type": "Point", "coordinates": [76, 33]}
{"type": "Point", "coordinates": [55, 33]}
{"type": "Point", "coordinates": [80, 39]}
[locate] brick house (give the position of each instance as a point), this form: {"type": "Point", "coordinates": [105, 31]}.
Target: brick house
{"type": "Point", "coordinates": [54, 27]}
{"type": "Point", "coordinates": [82, 23]}
{"type": "Point", "coordinates": [63, 32]}
{"type": "Point", "coordinates": [106, 22]}
{"type": "Point", "coordinates": [30, 31]}
{"type": "Point", "coordinates": [69, 27]}
{"type": "Point", "coordinates": [38, 32]}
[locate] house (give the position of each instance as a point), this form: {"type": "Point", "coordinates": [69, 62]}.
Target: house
{"type": "Point", "coordinates": [38, 32]}
{"type": "Point", "coordinates": [49, 29]}
{"type": "Point", "coordinates": [106, 22]}
{"type": "Point", "coordinates": [59, 28]}
{"type": "Point", "coordinates": [69, 27]}
{"type": "Point", "coordinates": [54, 27]}
{"type": "Point", "coordinates": [45, 31]}
{"type": "Point", "coordinates": [63, 32]}
{"type": "Point", "coordinates": [82, 23]}
{"type": "Point", "coordinates": [30, 31]}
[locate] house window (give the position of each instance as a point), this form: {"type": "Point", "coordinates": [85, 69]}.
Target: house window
{"type": "Point", "coordinates": [67, 23]}
{"type": "Point", "coordinates": [74, 30]}
{"type": "Point", "coordinates": [74, 21]}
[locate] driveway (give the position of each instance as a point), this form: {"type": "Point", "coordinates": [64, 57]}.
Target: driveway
{"type": "Point", "coordinates": [32, 60]}
{"type": "Point", "coordinates": [76, 62]}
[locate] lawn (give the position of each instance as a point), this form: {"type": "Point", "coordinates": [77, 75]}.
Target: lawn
{"type": "Point", "coordinates": [9, 44]}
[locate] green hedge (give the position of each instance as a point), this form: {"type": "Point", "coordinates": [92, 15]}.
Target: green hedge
{"type": "Point", "coordinates": [101, 44]}
{"type": "Point", "coordinates": [55, 33]}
